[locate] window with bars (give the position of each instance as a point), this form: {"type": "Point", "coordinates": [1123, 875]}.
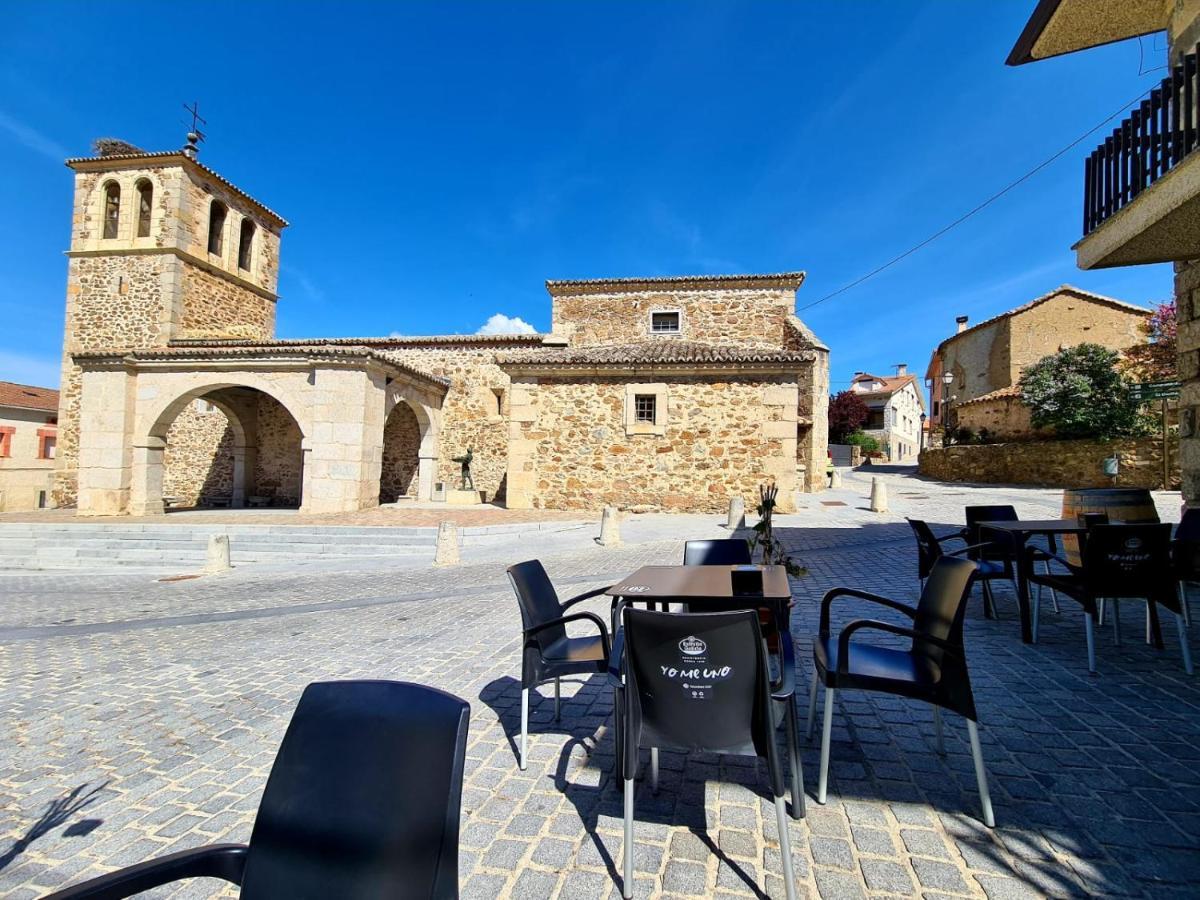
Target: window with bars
{"type": "Point", "coordinates": [665, 322]}
{"type": "Point", "coordinates": [645, 408]}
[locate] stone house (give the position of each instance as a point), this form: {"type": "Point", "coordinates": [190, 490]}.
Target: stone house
{"type": "Point", "coordinates": [985, 360]}
{"type": "Point", "coordinates": [28, 445]}
{"type": "Point", "coordinates": [1141, 197]}
{"type": "Point", "coordinates": [656, 393]}
{"type": "Point", "coordinates": [895, 406]}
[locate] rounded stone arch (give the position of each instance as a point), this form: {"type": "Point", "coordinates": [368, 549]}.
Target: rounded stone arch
{"type": "Point", "coordinates": [402, 401]}
{"type": "Point", "coordinates": [252, 424]}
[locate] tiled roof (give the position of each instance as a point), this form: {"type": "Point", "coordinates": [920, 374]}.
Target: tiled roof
{"type": "Point", "coordinates": [677, 282]}
{"type": "Point", "coordinates": [655, 352]}
{"type": "Point", "coordinates": [394, 342]}
{"type": "Point", "coordinates": [25, 396]}
{"type": "Point", "coordinates": [264, 350]}
{"type": "Point", "coordinates": [176, 157]}
{"type": "Point", "coordinates": [891, 383]}
{"type": "Point", "coordinates": [1037, 301]}
{"type": "Point", "coordinates": [999, 394]}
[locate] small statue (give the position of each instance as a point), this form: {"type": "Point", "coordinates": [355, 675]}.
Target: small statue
{"type": "Point", "coordinates": [468, 484]}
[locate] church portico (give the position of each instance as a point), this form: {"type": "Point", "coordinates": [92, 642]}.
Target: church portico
{"type": "Point", "coordinates": [296, 427]}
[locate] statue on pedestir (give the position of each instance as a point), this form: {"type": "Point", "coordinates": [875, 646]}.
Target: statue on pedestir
{"type": "Point", "coordinates": [468, 484]}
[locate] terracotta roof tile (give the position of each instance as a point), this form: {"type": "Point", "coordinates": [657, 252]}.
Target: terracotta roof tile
{"type": "Point", "coordinates": [678, 282]}
{"type": "Point", "coordinates": [657, 352]}
{"type": "Point", "coordinates": [25, 396]}
{"type": "Point", "coordinates": [1000, 393]}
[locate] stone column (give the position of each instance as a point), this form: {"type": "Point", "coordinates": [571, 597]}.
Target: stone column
{"type": "Point", "coordinates": [241, 467]}
{"type": "Point", "coordinates": [105, 442]}
{"type": "Point", "coordinates": [521, 474]}
{"type": "Point", "coordinates": [341, 472]}
{"type": "Point", "coordinates": [426, 475]}
{"type": "Point", "coordinates": [814, 403]}
{"type": "Point", "coordinates": [778, 431]}
{"type": "Point", "coordinates": [146, 488]}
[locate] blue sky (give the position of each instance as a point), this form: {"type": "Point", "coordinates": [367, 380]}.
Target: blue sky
{"type": "Point", "coordinates": [439, 161]}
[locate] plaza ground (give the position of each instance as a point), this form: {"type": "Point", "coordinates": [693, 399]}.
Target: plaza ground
{"type": "Point", "coordinates": [142, 717]}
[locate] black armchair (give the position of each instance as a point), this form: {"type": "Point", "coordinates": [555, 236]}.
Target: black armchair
{"type": "Point", "coordinates": [547, 653]}
{"type": "Point", "coordinates": [1122, 562]}
{"type": "Point", "coordinates": [1185, 556]}
{"type": "Point", "coordinates": [933, 668]}
{"type": "Point", "coordinates": [363, 801]}
{"type": "Point", "coordinates": [722, 552]}
{"type": "Point", "coordinates": [701, 682]}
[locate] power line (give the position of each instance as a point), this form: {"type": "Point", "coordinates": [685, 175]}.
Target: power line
{"type": "Point", "coordinates": [986, 203]}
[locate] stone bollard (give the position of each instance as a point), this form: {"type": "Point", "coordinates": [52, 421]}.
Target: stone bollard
{"type": "Point", "coordinates": [446, 553]}
{"type": "Point", "coordinates": [835, 479]}
{"type": "Point", "coordinates": [218, 554]}
{"type": "Point", "coordinates": [610, 528]}
{"type": "Point", "coordinates": [878, 496]}
{"type": "Point", "coordinates": [737, 514]}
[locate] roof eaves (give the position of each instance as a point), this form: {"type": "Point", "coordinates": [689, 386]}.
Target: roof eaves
{"type": "Point", "coordinates": [557, 287]}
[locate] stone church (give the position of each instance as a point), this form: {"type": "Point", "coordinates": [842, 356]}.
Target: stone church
{"type": "Point", "coordinates": [648, 393]}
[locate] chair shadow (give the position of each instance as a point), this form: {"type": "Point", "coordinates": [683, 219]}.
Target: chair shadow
{"type": "Point", "coordinates": [58, 812]}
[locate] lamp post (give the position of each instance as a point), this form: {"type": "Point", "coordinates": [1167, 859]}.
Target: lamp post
{"type": "Point", "coordinates": [947, 380]}
{"type": "Point", "coordinates": [921, 440]}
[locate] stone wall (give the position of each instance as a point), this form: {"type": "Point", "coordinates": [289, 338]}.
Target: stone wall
{"type": "Point", "coordinates": [1001, 416]}
{"type": "Point", "coordinates": [215, 307]}
{"type": "Point", "coordinates": [278, 471]}
{"type": "Point", "coordinates": [198, 459]}
{"type": "Point", "coordinates": [401, 443]}
{"type": "Point", "coordinates": [1059, 464]}
{"type": "Point", "coordinates": [748, 316]}
{"type": "Point", "coordinates": [570, 448]}
{"type": "Point", "coordinates": [1187, 303]}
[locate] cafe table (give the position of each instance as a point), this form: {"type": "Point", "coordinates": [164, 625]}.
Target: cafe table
{"type": "Point", "coordinates": [702, 588]}
{"type": "Point", "coordinates": [1021, 530]}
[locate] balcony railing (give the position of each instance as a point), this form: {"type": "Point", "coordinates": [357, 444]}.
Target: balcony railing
{"type": "Point", "coordinates": [1147, 145]}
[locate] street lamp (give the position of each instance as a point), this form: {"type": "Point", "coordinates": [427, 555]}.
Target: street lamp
{"type": "Point", "coordinates": [921, 441]}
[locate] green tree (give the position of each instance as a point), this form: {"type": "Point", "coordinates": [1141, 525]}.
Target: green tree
{"type": "Point", "coordinates": [868, 443]}
{"type": "Point", "coordinates": [1079, 393]}
{"type": "Point", "coordinates": [847, 413]}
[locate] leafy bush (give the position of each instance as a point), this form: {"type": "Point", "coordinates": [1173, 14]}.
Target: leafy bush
{"type": "Point", "coordinates": [865, 441]}
{"type": "Point", "coordinates": [847, 413]}
{"type": "Point", "coordinates": [1079, 393]}
{"type": "Point", "coordinates": [1154, 360]}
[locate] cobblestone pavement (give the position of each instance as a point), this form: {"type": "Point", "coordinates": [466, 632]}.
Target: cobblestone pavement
{"type": "Point", "coordinates": [142, 717]}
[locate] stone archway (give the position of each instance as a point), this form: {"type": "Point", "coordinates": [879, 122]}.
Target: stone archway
{"type": "Point", "coordinates": [412, 425]}
{"type": "Point", "coordinates": [252, 455]}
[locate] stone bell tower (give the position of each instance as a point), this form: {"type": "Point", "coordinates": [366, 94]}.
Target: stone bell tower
{"type": "Point", "coordinates": [163, 249]}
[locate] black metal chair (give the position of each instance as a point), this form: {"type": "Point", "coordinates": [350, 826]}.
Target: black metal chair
{"type": "Point", "coordinates": [1123, 562]}
{"type": "Point", "coordinates": [933, 668]}
{"type": "Point", "coordinates": [363, 801]}
{"type": "Point", "coordinates": [547, 653]}
{"type": "Point", "coordinates": [1185, 556]}
{"type": "Point", "coordinates": [722, 552]}
{"type": "Point", "coordinates": [701, 682]}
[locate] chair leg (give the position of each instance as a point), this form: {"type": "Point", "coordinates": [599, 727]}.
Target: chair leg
{"type": "Point", "coordinates": [524, 724]}
{"type": "Point", "coordinates": [989, 604]}
{"type": "Point", "coordinates": [1116, 617]}
{"type": "Point", "coordinates": [1183, 604]}
{"type": "Point", "coordinates": [812, 704]}
{"type": "Point", "coordinates": [1100, 612]}
{"type": "Point", "coordinates": [557, 700]}
{"type": "Point", "coordinates": [1181, 626]}
{"type": "Point", "coordinates": [937, 730]}
{"type": "Point", "coordinates": [985, 798]}
{"type": "Point", "coordinates": [785, 849]}
{"type": "Point", "coordinates": [826, 732]}
{"type": "Point", "coordinates": [1090, 630]}
{"type": "Point", "coordinates": [1035, 612]}
{"type": "Point", "coordinates": [627, 886]}
{"type": "Point", "coordinates": [793, 739]}
{"type": "Point", "coordinates": [654, 770]}
{"type": "Point", "coordinates": [1053, 593]}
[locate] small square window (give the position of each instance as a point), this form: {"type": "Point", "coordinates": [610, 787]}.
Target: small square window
{"type": "Point", "coordinates": [645, 406]}
{"type": "Point", "coordinates": [664, 322]}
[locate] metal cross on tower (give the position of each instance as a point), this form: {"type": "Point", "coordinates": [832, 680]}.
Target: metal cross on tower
{"type": "Point", "coordinates": [194, 109]}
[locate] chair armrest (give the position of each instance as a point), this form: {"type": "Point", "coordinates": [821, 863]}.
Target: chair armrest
{"type": "Point", "coordinates": [573, 617]}
{"type": "Point", "coordinates": [832, 595]}
{"type": "Point", "coordinates": [844, 640]}
{"type": "Point", "coordinates": [616, 660]}
{"type": "Point", "coordinates": [587, 595]}
{"type": "Point", "coordinates": [971, 547]}
{"type": "Point", "coordinates": [224, 861]}
{"type": "Point", "coordinates": [1031, 552]}
{"type": "Point", "coordinates": [955, 536]}
{"type": "Point", "coordinates": [786, 686]}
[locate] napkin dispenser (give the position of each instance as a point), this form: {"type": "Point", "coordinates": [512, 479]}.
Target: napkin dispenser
{"type": "Point", "coordinates": [746, 581]}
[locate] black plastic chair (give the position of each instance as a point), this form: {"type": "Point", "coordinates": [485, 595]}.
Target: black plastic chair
{"type": "Point", "coordinates": [933, 668]}
{"type": "Point", "coordinates": [363, 801]}
{"type": "Point", "coordinates": [722, 552]}
{"type": "Point", "coordinates": [1185, 556]}
{"type": "Point", "coordinates": [701, 682]}
{"type": "Point", "coordinates": [1123, 562]}
{"type": "Point", "coordinates": [929, 547]}
{"type": "Point", "coordinates": [547, 653]}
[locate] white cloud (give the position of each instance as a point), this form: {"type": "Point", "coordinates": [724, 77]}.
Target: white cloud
{"type": "Point", "coordinates": [39, 371]}
{"type": "Point", "coordinates": [502, 324]}
{"type": "Point", "coordinates": [32, 138]}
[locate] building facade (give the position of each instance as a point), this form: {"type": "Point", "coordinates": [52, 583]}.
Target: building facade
{"type": "Point", "coordinates": [1141, 198]}
{"type": "Point", "coordinates": [985, 361]}
{"type": "Point", "coordinates": [652, 393]}
{"type": "Point", "coordinates": [895, 408]}
{"type": "Point", "coordinates": [28, 446]}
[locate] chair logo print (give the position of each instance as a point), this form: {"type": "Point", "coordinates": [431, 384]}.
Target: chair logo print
{"type": "Point", "coordinates": [693, 646]}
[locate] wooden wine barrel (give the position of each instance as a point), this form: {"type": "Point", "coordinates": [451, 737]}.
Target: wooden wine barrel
{"type": "Point", "coordinates": [1125, 505]}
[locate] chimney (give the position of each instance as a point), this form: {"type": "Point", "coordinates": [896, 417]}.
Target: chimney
{"type": "Point", "coordinates": [901, 369]}
{"type": "Point", "coordinates": [962, 324]}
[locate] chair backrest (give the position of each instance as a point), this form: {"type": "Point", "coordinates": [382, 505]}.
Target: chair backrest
{"type": "Point", "coordinates": [537, 599]}
{"type": "Point", "coordinates": [1189, 526]}
{"type": "Point", "coordinates": [1130, 561]}
{"type": "Point", "coordinates": [363, 799]}
{"type": "Point", "coordinates": [1186, 547]}
{"type": "Point", "coordinates": [929, 550]}
{"type": "Point", "coordinates": [722, 552]}
{"type": "Point", "coordinates": [696, 681]}
{"type": "Point", "coordinates": [975, 534]}
{"type": "Point", "coordinates": [942, 605]}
